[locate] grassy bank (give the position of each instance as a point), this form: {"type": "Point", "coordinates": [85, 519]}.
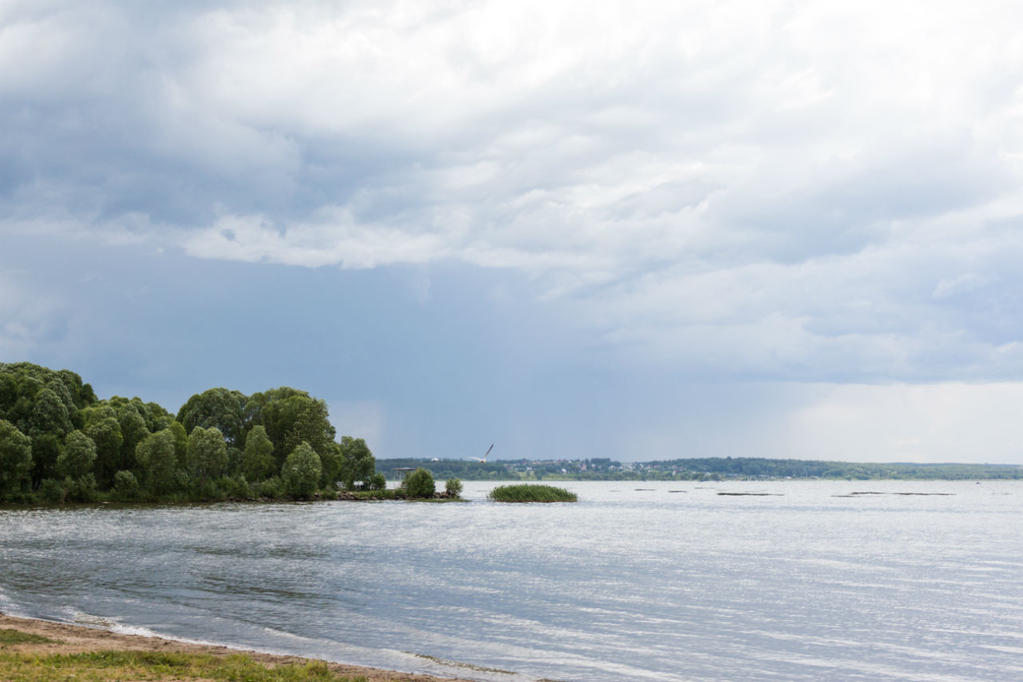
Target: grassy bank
{"type": "Point", "coordinates": [42, 651]}
{"type": "Point", "coordinates": [111, 666]}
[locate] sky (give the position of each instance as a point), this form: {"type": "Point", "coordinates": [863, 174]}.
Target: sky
{"type": "Point", "coordinates": [637, 230]}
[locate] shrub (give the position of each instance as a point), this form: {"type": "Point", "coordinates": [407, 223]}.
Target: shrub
{"type": "Point", "coordinates": [271, 487]}
{"type": "Point", "coordinates": [377, 481]}
{"type": "Point", "coordinates": [453, 487]}
{"type": "Point", "coordinates": [207, 490]}
{"type": "Point", "coordinates": [531, 493]}
{"type": "Point", "coordinates": [126, 486]}
{"type": "Point", "coordinates": [236, 488]}
{"type": "Point", "coordinates": [419, 483]}
{"type": "Point", "coordinates": [52, 491]}
{"type": "Point", "coordinates": [81, 489]}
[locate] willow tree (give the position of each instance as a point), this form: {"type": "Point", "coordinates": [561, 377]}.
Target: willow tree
{"type": "Point", "coordinates": [207, 454]}
{"type": "Point", "coordinates": [301, 472]}
{"type": "Point", "coordinates": [15, 458]}
{"type": "Point", "coordinates": [292, 417]}
{"type": "Point", "coordinates": [219, 408]}
{"type": "Point", "coordinates": [158, 461]}
{"type": "Point", "coordinates": [257, 458]}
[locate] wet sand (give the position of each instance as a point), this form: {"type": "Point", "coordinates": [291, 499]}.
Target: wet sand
{"type": "Point", "coordinates": [73, 639]}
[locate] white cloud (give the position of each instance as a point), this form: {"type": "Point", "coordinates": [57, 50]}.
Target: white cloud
{"type": "Point", "coordinates": [945, 422]}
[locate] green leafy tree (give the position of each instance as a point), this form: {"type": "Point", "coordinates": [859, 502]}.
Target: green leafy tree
{"type": "Point", "coordinates": [78, 456]}
{"type": "Point", "coordinates": [332, 462]}
{"type": "Point", "coordinates": [133, 430]}
{"type": "Point", "coordinates": [358, 463]}
{"type": "Point", "coordinates": [49, 423]}
{"type": "Point", "coordinates": [207, 454]}
{"type": "Point", "coordinates": [301, 472]}
{"type": "Point", "coordinates": [20, 384]}
{"type": "Point", "coordinates": [15, 458]}
{"type": "Point", "coordinates": [50, 415]}
{"type": "Point", "coordinates": [291, 417]}
{"type": "Point", "coordinates": [453, 487]}
{"type": "Point", "coordinates": [257, 459]}
{"type": "Point", "coordinates": [105, 432]}
{"type": "Point", "coordinates": [158, 461]}
{"type": "Point", "coordinates": [180, 443]}
{"type": "Point", "coordinates": [46, 449]}
{"type": "Point", "coordinates": [419, 484]}
{"type": "Point", "coordinates": [219, 408]}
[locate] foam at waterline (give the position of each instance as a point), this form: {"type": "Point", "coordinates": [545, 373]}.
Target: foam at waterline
{"type": "Point", "coordinates": [112, 624]}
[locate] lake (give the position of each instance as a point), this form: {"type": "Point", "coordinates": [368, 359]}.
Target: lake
{"type": "Point", "coordinates": [794, 580]}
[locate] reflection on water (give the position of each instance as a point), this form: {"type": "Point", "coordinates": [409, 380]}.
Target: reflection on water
{"type": "Point", "coordinates": [791, 580]}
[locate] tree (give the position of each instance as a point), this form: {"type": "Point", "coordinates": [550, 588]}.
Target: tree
{"type": "Point", "coordinates": [291, 417]}
{"type": "Point", "coordinates": [301, 472]}
{"type": "Point", "coordinates": [15, 458]}
{"type": "Point", "coordinates": [156, 456]}
{"type": "Point", "coordinates": [180, 443]}
{"type": "Point", "coordinates": [332, 462]}
{"type": "Point", "coordinates": [49, 423]}
{"type": "Point", "coordinates": [257, 459]}
{"type": "Point", "coordinates": [219, 408]}
{"type": "Point", "coordinates": [50, 415]}
{"type": "Point", "coordinates": [133, 430]}
{"type": "Point", "coordinates": [105, 432]}
{"type": "Point", "coordinates": [419, 484]}
{"type": "Point", "coordinates": [357, 462]}
{"type": "Point", "coordinates": [20, 384]}
{"type": "Point", "coordinates": [207, 453]}
{"type": "Point", "coordinates": [78, 456]}
{"type": "Point", "coordinates": [46, 449]}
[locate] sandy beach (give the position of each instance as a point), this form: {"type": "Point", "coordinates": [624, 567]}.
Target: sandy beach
{"type": "Point", "coordinates": [76, 639]}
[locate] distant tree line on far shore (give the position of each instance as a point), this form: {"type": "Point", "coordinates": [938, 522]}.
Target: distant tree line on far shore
{"type": "Point", "coordinates": [699, 469]}
{"type": "Point", "coordinates": [60, 443]}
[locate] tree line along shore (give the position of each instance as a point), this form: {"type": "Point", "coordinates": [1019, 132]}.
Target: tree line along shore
{"type": "Point", "coordinates": [60, 443]}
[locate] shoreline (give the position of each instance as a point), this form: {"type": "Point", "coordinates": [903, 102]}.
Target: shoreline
{"type": "Point", "coordinates": [71, 638]}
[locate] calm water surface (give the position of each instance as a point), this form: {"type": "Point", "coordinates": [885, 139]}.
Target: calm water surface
{"type": "Point", "coordinates": [638, 581]}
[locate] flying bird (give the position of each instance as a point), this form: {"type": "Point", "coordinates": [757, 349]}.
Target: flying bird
{"type": "Point", "coordinates": [483, 459]}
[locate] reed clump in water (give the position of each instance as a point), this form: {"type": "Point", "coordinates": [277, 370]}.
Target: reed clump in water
{"type": "Point", "coordinates": [531, 493]}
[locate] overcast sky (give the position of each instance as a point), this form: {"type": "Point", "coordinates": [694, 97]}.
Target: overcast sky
{"type": "Point", "coordinates": [639, 230]}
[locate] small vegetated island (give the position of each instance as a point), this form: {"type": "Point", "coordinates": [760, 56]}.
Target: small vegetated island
{"type": "Point", "coordinates": [531, 493]}
{"type": "Point", "coordinates": [60, 443]}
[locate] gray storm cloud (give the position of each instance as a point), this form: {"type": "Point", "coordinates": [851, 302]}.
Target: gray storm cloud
{"type": "Point", "coordinates": [795, 190]}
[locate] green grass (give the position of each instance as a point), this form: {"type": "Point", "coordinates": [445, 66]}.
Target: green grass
{"type": "Point", "coordinates": [531, 493]}
{"type": "Point", "coordinates": [113, 666]}
{"type": "Point", "coordinates": [9, 636]}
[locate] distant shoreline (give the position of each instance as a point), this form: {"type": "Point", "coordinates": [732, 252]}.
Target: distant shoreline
{"type": "Point", "coordinates": [67, 639]}
{"type": "Point", "coordinates": [699, 469]}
